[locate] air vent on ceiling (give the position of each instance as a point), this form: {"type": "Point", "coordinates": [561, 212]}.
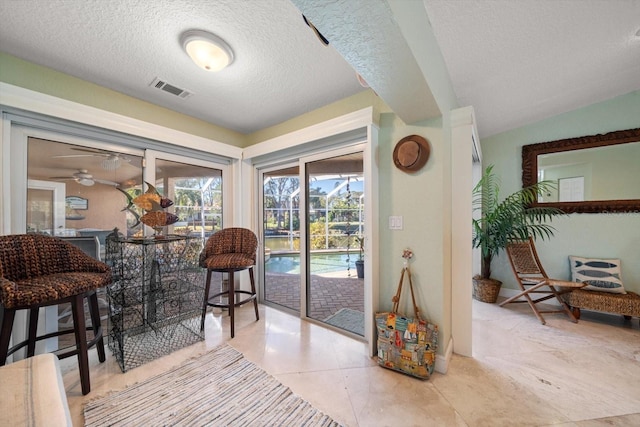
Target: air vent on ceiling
{"type": "Point", "coordinates": [173, 90]}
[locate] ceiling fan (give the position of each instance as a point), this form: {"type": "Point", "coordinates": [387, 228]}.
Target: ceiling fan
{"type": "Point", "coordinates": [83, 177]}
{"type": "Point", "coordinates": [112, 161]}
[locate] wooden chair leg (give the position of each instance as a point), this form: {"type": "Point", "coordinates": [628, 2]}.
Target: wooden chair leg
{"type": "Point", "coordinates": [576, 312]}
{"type": "Point", "coordinates": [33, 330]}
{"type": "Point", "coordinates": [5, 335]}
{"type": "Point", "coordinates": [525, 294]}
{"type": "Point", "coordinates": [253, 290]}
{"type": "Point", "coordinates": [96, 324]}
{"type": "Point", "coordinates": [564, 305]}
{"type": "Point", "coordinates": [232, 301]}
{"type": "Point", "coordinates": [79, 326]}
{"type": "Point", "coordinates": [207, 285]}
{"type": "Point", "coordinates": [535, 309]}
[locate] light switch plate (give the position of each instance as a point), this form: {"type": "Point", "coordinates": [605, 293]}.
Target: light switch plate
{"type": "Point", "coordinates": [395, 223]}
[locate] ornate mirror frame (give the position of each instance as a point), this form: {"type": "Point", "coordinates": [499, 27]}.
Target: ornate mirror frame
{"type": "Point", "coordinates": [531, 152]}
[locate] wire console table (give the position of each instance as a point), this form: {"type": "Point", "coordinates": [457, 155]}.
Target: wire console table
{"type": "Point", "coordinates": [155, 299]}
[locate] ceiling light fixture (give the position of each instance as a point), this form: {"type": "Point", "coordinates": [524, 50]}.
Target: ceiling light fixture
{"type": "Point", "coordinates": [207, 50]}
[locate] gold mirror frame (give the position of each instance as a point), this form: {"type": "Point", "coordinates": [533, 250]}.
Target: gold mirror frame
{"type": "Point", "coordinates": [531, 152]}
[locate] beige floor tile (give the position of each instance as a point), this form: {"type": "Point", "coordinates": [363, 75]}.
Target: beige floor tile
{"type": "Point", "coordinates": [325, 390]}
{"type": "Point", "coordinates": [581, 384]}
{"type": "Point", "coordinates": [381, 397]}
{"type": "Point", "coordinates": [522, 373]}
{"type": "Point", "coordinates": [621, 421]}
{"type": "Point", "coordinates": [484, 396]}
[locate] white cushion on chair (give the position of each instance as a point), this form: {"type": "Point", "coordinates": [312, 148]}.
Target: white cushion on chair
{"type": "Point", "coordinates": [600, 274]}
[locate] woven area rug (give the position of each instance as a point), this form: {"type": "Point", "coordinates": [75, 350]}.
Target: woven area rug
{"type": "Point", "coordinates": [219, 388]}
{"type": "Point", "coordinates": [346, 318]}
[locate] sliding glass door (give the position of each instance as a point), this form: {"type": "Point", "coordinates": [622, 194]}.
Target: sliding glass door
{"type": "Point", "coordinates": [87, 182]}
{"type": "Point", "coordinates": [281, 237]}
{"type": "Point", "coordinates": [335, 234]}
{"type": "Point", "coordinates": [312, 219]}
{"type": "Point", "coordinates": [196, 193]}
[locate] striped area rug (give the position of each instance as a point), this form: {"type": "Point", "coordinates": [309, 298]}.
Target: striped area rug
{"type": "Point", "coordinates": [219, 388]}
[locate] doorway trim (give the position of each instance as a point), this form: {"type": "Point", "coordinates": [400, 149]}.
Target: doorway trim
{"type": "Point", "coordinates": [352, 129]}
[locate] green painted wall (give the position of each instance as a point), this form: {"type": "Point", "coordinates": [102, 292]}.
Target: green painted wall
{"type": "Point", "coordinates": [364, 99]}
{"type": "Point", "coordinates": [28, 75]}
{"type": "Point", "coordinates": [590, 235]}
{"type": "Point", "coordinates": [419, 198]}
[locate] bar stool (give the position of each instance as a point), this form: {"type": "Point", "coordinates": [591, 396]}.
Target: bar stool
{"type": "Point", "coordinates": [227, 251]}
{"type": "Point", "coordinates": [36, 271]}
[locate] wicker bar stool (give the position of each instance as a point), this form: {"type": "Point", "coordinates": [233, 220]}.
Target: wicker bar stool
{"type": "Point", "coordinates": [36, 271]}
{"type": "Point", "coordinates": [227, 251]}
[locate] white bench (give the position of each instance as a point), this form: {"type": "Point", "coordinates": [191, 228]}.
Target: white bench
{"type": "Point", "coordinates": [33, 393]}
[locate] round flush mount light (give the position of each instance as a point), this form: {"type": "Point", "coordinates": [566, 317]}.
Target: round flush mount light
{"type": "Point", "coordinates": [207, 50]}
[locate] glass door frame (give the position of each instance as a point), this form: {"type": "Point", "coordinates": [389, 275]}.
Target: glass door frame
{"type": "Point", "coordinates": [14, 201]}
{"type": "Point", "coordinates": [370, 280]}
{"type": "Point", "coordinates": [58, 190]}
{"type": "Point", "coordinates": [149, 175]}
{"type": "Point", "coordinates": [305, 253]}
{"type": "Point", "coordinates": [260, 260]}
{"type": "Point", "coordinates": [15, 212]}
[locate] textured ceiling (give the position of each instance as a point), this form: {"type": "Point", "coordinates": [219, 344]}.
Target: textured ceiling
{"type": "Point", "coordinates": [367, 35]}
{"type": "Point", "coordinates": [518, 62]}
{"type": "Point", "coordinates": [515, 62]}
{"type": "Point", "coordinates": [280, 69]}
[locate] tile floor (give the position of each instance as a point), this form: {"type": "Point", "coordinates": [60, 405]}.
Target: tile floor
{"type": "Point", "coordinates": [522, 373]}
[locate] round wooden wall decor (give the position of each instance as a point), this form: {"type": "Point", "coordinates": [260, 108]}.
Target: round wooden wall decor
{"type": "Point", "coordinates": [411, 153]}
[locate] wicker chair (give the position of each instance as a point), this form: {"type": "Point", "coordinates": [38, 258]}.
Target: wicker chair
{"type": "Point", "coordinates": [37, 271]}
{"type": "Point", "coordinates": [227, 251]}
{"type": "Point", "coordinates": [532, 279]}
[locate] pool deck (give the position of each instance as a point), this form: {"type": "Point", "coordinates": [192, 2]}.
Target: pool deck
{"type": "Point", "coordinates": [328, 293]}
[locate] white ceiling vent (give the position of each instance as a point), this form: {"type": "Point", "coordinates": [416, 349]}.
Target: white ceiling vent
{"type": "Point", "coordinates": [173, 90]}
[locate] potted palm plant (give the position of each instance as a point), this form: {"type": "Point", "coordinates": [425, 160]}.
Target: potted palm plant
{"type": "Point", "coordinates": [502, 221]}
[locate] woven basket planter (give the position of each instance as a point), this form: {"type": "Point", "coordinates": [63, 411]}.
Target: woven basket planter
{"type": "Point", "coordinates": [486, 290]}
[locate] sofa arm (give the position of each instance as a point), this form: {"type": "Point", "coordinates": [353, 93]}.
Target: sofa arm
{"type": "Point", "coordinates": [33, 393]}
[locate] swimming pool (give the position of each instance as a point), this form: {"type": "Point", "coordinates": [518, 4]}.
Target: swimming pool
{"type": "Point", "coordinates": [321, 263]}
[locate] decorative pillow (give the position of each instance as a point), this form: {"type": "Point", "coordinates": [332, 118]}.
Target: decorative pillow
{"type": "Point", "coordinates": [600, 274]}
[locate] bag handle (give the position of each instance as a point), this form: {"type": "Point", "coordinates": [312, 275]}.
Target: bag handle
{"type": "Point", "coordinates": [396, 297]}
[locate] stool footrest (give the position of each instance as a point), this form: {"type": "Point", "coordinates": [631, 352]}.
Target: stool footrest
{"type": "Point", "coordinates": [61, 355]}
{"type": "Point", "coordinates": [251, 297]}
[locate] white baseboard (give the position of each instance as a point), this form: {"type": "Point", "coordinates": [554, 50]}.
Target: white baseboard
{"type": "Point", "coordinates": [442, 361]}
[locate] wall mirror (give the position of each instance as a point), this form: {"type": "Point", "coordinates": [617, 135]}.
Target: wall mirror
{"type": "Point", "coordinates": [593, 174]}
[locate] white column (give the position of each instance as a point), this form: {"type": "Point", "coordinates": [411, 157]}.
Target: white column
{"type": "Point", "coordinates": [462, 134]}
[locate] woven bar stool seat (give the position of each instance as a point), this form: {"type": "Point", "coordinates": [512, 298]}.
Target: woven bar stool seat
{"type": "Point", "coordinates": [228, 251]}
{"type": "Point", "coordinates": [37, 271]}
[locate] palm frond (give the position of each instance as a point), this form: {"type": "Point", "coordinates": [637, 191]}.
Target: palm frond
{"type": "Point", "coordinates": [512, 218]}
